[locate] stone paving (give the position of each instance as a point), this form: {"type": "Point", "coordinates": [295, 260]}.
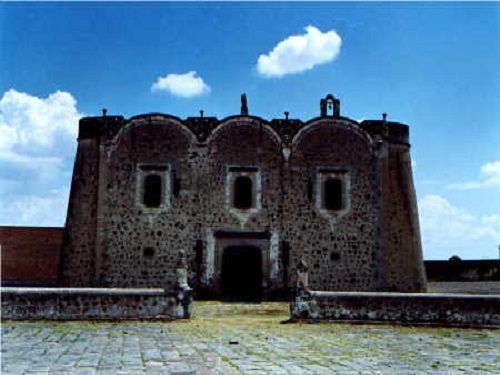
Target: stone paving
{"type": "Point", "coordinates": [243, 339]}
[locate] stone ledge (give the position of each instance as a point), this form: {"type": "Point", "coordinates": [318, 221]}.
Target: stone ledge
{"type": "Point", "coordinates": [94, 303]}
{"type": "Point", "coordinates": [407, 296]}
{"type": "Point", "coordinates": [85, 291]}
{"type": "Point", "coordinates": [402, 308]}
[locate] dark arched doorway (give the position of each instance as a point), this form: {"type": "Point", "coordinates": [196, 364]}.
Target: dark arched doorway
{"type": "Point", "coordinates": [241, 273]}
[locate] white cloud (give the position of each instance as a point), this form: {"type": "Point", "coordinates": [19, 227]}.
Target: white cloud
{"type": "Point", "coordinates": [8, 137]}
{"type": "Point", "coordinates": [489, 178]}
{"type": "Point", "coordinates": [37, 147]}
{"type": "Point", "coordinates": [27, 121]}
{"type": "Point", "coordinates": [47, 210]}
{"type": "Point", "coordinates": [298, 53]}
{"type": "Point", "coordinates": [448, 230]}
{"type": "Point", "coordinates": [184, 85]}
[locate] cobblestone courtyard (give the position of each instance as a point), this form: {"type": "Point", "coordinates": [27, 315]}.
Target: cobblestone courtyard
{"type": "Point", "coordinates": [243, 339]}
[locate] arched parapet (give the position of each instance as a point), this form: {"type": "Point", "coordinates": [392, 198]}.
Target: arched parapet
{"type": "Point", "coordinates": [238, 135]}
{"type": "Point", "coordinates": [153, 127]}
{"type": "Point", "coordinates": [344, 124]}
{"type": "Point", "coordinates": [331, 141]}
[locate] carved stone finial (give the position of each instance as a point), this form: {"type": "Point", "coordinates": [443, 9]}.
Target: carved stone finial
{"type": "Point", "coordinates": [286, 115]}
{"type": "Point", "coordinates": [183, 296]}
{"type": "Point", "coordinates": [302, 275]}
{"type": "Point", "coordinates": [384, 116]}
{"type": "Point", "coordinates": [182, 259]}
{"type": "Point", "coordinates": [303, 266]}
{"type": "Point", "coordinates": [201, 113]}
{"type": "Point", "coordinates": [104, 111]}
{"type": "Point", "coordinates": [181, 271]}
{"type": "Point", "coordinates": [244, 105]}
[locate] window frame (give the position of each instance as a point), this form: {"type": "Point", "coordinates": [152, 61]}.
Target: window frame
{"type": "Point", "coordinates": [160, 169]}
{"type": "Point", "coordinates": [254, 173]}
{"type": "Point", "coordinates": [324, 174]}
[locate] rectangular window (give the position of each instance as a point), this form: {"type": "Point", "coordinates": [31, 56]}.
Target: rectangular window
{"type": "Point", "coordinates": [333, 194]}
{"type": "Point", "coordinates": [243, 187]}
{"type": "Point", "coordinates": [332, 191]}
{"type": "Point", "coordinates": [152, 190]}
{"type": "Point", "coordinates": [243, 191]}
{"type": "Point", "coordinates": [153, 186]}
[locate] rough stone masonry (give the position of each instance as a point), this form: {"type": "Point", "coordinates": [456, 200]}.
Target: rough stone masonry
{"type": "Point", "coordinates": [245, 199]}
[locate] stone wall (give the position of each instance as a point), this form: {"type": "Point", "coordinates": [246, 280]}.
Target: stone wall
{"type": "Point", "coordinates": [91, 303]}
{"type": "Point", "coordinates": [30, 256]}
{"type": "Point", "coordinates": [126, 226]}
{"type": "Point", "coordinates": [114, 240]}
{"type": "Point", "coordinates": [79, 241]}
{"type": "Point", "coordinates": [411, 308]}
{"type": "Point", "coordinates": [403, 251]}
{"type": "Point", "coordinates": [342, 249]}
{"type": "Point", "coordinates": [463, 270]}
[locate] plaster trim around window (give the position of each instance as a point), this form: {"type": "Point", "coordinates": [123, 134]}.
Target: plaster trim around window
{"type": "Point", "coordinates": [143, 170]}
{"type": "Point", "coordinates": [323, 174]}
{"type": "Point", "coordinates": [254, 174]}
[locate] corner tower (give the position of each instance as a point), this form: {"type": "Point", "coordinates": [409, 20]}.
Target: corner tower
{"type": "Point", "coordinates": [78, 254]}
{"type": "Point", "coordinates": [401, 262]}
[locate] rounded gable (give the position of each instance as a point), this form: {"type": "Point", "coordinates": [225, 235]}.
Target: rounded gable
{"type": "Point", "coordinates": [153, 127]}
{"type": "Point", "coordinates": [343, 123]}
{"type": "Point", "coordinates": [257, 123]}
{"type": "Point", "coordinates": [332, 141]}
{"type": "Point", "coordinates": [243, 135]}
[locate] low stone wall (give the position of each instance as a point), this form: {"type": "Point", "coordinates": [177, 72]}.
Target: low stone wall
{"type": "Point", "coordinates": [464, 287]}
{"type": "Point", "coordinates": [410, 308]}
{"type": "Point", "coordinates": [93, 303]}
{"type": "Point", "coordinates": [463, 270]}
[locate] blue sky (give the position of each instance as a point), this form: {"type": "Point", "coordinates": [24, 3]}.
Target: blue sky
{"type": "Point", "coordinates": [434, 66]}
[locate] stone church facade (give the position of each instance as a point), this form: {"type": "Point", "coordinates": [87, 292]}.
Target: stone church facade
{"type": "Point", "coordinates": [245, 200]}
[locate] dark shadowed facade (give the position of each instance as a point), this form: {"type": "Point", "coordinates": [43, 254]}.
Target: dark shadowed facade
{"type": "Point", "coordinates": [245, 199]}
